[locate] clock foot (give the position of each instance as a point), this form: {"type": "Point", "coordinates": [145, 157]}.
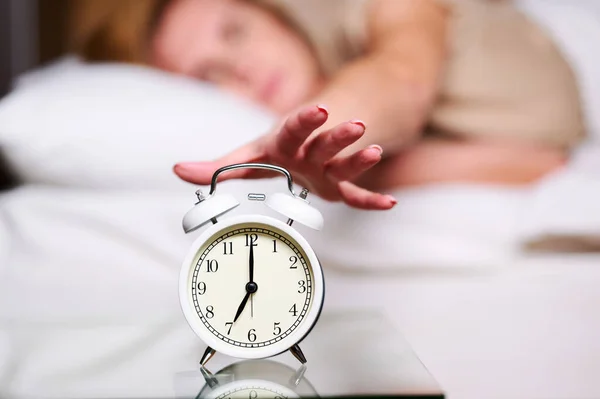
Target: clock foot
{"type": "Point", "coordinates": [208, 354]}
{"type": "Point", "coordinates": [297, 352]}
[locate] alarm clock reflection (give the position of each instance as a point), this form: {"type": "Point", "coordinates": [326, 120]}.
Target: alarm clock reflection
{"type": "Point", "coordinates": [256, 379]}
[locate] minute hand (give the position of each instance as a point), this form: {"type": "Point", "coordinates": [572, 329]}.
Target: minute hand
{"type": "Point", "coordinates": [251, 263]}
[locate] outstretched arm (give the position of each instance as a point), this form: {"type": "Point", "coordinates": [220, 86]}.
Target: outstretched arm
{"type": "Point", "coordinates": [390, 89]}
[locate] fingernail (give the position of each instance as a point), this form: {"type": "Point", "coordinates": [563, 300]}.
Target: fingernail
{"type": "Point", "coordinates": [358, 122]}
{"type": "Point", "coordinates": [184, 166]}
{"type": "Point", "coordinates": [323, 108]}
{"type": "Point", "coordinates": [393, 200]}
{"type": "Point", "coordinates": [377, 147]}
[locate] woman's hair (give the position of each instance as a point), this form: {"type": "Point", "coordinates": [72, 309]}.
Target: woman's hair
{"type": "Point", "coordinates": [114, 30]}
{"type": "Point", "coordinates": [121, 30]}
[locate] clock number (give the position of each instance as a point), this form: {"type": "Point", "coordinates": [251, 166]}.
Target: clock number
{"type": "Point", "coordinates": [302, 287]}
{"type": "Point", "coordinates": [251, 239]}
{"type": "Point", "coordinates": [294, 260]}
{"type": "Point", "coordinates": [276, 328]}
{"type": "Point", "coordinates": [293, 311]}
{"type": "Point", "coordinates": [251, 335]}
{"type": "Point", "coordinates": [230, 324]}
{"type": "Point", "coordinates": [212, 266]}
{"type": "Point", "coordinates": [210, 312]}
{"type": "Point", "coordinates": [274, 246]}
{"type": "Point", "coordinates": [227, 249]}
{"type": "Point", "coordinates": [253, 395]}
{"type": "Point", "coordinates": [201, 288]}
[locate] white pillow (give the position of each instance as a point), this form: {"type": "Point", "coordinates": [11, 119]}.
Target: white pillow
{"type": "Point", "coordinates": [118, 126]}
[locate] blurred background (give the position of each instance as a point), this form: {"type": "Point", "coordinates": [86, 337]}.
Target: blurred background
{"type": "Point", "coordinates": [495, 287]}
{"type": "Point", "coordinates": [33, 33]}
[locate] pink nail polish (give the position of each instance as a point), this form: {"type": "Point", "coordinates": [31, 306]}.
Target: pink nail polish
{"type": "Point", "coordinates": [358, 122]}
{"type": "Point", "coordinates": [323, 108]}
{"type": "Point", "coordinates": [184, 166]}
{"type": "Point", "coordinates": [392, 199]}
{"type": "Point", "coordinates": [377, 147]}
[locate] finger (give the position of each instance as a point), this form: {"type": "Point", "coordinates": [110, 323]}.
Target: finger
{"type": "Point", "coordinates": [364, 199]}
{"type": "Point", "coordinates": [202, 172]}
{"type": "Point", "coordinates": [352, 166]}
{"type": "Point", "coordinates": [324, 146]}
{"type": "Point", "coordinates": [297, 128]}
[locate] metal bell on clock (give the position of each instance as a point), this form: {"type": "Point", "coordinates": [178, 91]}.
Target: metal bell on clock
{"type": "Point", "coordinates": [207, 210]}
{"type": "Point", "coordinates": [296, 209]}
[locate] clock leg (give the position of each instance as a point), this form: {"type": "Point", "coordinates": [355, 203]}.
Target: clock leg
{"type": "Point", "coordinates": [208, 354]}
{"type": "Point", "coordinates": [297, 352]}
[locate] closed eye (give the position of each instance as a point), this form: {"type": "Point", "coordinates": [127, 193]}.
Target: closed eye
{"type": "Point", "coordinates": [233, 31]}
{"type": "Point", "coordinates": [213, 73]}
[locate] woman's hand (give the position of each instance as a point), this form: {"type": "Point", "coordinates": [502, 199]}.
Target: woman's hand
{"type": "Point", "coordinates": [311, 160]}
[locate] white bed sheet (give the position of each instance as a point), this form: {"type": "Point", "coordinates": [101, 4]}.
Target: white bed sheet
{"type": "Point", "coordinates": [89, 306]}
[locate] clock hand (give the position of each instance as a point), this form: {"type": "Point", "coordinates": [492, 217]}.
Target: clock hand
{"type": "Point", "coordinates": [251, 287]}
{"type": "Point", "coordinates": [251, 263]}
{"type": "Point", "coordinates": [251, 275]}
{"type": "Point", "coordinates": [242, 306]}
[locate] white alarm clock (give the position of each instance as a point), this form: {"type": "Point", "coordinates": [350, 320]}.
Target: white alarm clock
{"type": "Point", "coordinates": [251, 286]}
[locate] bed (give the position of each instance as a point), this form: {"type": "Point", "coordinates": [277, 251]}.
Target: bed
{"type": "Point", "coordinates": [495, 287]}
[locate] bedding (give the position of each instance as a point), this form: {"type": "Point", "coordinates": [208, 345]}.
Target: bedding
{"type": "Point", "coordinates": [575, 26]}
{"type": "Point", "coordinates": [121, 127]}
{"type": "Point", "coordinates": [89, 304]}
{"type": "Point", "coordinates": [117, 126]}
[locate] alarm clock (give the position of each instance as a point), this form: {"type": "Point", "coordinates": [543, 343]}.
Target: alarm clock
{"type": "Point", "coordinates": [251, 286]}
{"type": "Point", "coordinates": [256, 379]}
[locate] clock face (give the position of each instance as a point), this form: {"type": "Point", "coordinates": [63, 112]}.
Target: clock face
{"type": "Point", "coordinates": [251, 285]}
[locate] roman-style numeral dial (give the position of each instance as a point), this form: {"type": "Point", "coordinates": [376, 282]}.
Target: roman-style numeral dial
{"type": "Point", "coordinates": [252, 285]}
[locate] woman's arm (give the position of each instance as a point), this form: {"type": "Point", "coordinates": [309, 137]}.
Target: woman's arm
{"type": "Point", "coordinates": [392, 87]}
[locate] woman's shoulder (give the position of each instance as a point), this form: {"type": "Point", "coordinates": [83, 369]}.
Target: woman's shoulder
{"type": "Point", "coordinates": [336, 29]}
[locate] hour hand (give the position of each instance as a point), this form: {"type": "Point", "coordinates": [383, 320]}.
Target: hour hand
{"type": "Point", "coordinates": [242, 306]}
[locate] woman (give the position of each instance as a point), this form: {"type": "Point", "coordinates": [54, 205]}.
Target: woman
{"type": "Point", "coordinates": [450, 90]}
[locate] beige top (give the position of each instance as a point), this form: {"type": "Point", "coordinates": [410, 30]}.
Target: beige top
{"type": "Point", "coordinates": [504, 77]}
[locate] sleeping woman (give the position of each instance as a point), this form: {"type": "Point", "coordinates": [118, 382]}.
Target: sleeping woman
{"type": "Point", "coordinates": [373, 95]}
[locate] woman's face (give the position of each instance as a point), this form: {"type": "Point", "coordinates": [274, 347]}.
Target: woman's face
{"type": "Point", "coordinates": [239, 47]}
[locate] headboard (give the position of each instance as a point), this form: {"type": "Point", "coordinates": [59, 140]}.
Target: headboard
{"type": "Point", "coordinates": [32, 32]}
